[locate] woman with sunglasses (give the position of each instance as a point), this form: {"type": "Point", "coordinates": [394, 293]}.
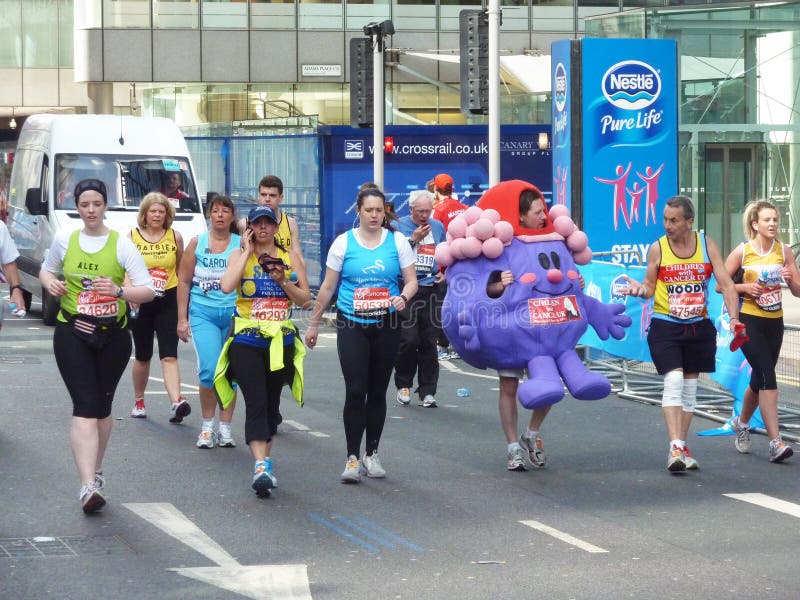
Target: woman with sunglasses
{"type": "Point", "coordinates": [264, 350]}
{"type": "Point", "coordinates": [90, 343]}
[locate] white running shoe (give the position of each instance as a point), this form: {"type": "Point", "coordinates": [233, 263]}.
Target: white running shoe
{"type": "Point", "coordinates": [225, 438]}
{"type": "Point", "coordinates": [691, 461]}
{"type": "Point", "coordinates": [535, 449]}
{"type": "Point", "coordinates": [742, 441]}
{"type": "Point", "coordinates": [516, 462]}
{"type": "Point", "coordinates": [139, 411]}
{"type": "Point", "coordinates": [352, 470]}
{"type": "Point", "coordinates": [779, 450]}
{"type": "Point", "coordinates": [404, 396]}
{"type": "Point", "coordinates": [428, 401]}
{"type": "Point", "coordinates": [179, 410]}
{"type": "Point", "coordinates": [205, 439]}
{"type": "Point", "coordinates": [92, 499]}
{"type": "Point", "coordinates": [676, 461]}
{"type": "Point", "coordinates": [371, 466]}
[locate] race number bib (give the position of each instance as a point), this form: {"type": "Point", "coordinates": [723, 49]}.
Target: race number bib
{"type": "Point", "coordinates": [686, 300]}
{"type": "Point", "coordinates": [159, 277]}
{"type": "Point", "coordinates": [97, 305]}
{"type": "Point", "coordinates": [371, 302]}
{"type": "Point", "coordinates": [424, 262]}
{"type": "Point", "coordinates": [551, 311]}
{"type": "Point", "coordinates": [269, 309]}
{"type": "Point", "coordinates": [770, 300]}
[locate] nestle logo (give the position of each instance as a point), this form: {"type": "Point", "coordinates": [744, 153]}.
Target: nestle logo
{"type": "Point", "coordinates": [631, 85]}
{"type": "Point", "coordinates": [560, 87]}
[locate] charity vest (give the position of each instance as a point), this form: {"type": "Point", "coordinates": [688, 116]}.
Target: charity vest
{"type": "Point", "coordinates": [448, 209]}
{"type": "Point", "coordinates": [81, 268]}
{"type": "Point", "coordinates": [765, 269]}
{"type": "Point", "coordinates": [369, 279]}
{"type": "Point", "coordinates": [208, 271]}
{"type": "Point", "coordinates": [161, 259]}
{"type": "Point", "coordinates": [681, 294]}
{"type": "Point", "coordinates": [283, 235]}
{"type": "Point", "coordinates": [261, 299]}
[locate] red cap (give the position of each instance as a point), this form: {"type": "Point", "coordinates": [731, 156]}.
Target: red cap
{"type": "Point", "coordinates": [443, 182]}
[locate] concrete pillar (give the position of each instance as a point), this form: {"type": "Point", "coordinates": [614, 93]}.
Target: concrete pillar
{"type": "Point", "coordinates": [101, 98]}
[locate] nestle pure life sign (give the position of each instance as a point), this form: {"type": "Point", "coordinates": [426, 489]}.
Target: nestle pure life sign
{"type": "Point", "coordinates": [624, 140]}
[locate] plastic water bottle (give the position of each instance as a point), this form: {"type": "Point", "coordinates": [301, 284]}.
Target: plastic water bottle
{"type": "Point", "coordinates": [462, 392]}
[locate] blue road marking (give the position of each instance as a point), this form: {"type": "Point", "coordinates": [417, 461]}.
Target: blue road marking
{"type": "Point", "coordinates": [366, 545]}
{"type": "Point", "coordinates": [389, 534]}
{"type": "Point", "coordinates": [363, 531]}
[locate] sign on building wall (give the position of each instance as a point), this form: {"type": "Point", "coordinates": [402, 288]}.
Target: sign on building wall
{"type": "Point", "coordinates": [622, 118]}
{"type": "Point", "coordinates": [321, 70]}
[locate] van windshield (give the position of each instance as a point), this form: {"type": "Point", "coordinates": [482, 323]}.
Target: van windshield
{"type": "Point", "coordinates": [128, 179]}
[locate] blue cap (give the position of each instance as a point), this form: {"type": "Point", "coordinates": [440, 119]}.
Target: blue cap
{"type": "Point", "coordinates": [259, 212]}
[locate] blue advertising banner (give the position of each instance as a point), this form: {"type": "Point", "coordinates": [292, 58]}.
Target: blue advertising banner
{"type": "Point", "coordinates": [562, 123]}
{"type": "Point", "coordinates": [418, 154]}
{"type": "Point", "coordinates": [629, 141]}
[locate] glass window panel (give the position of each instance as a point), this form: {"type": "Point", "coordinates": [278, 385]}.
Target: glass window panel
{"type": "Point", "coordinates": [414, 14]}
{"type": "Point", "coordinates": [515, 15]}
{"type": "Point", "coordinates": [272, 14]}
{"type": "Point", "coordinates": [361, 12]}
{"type": "Point", "coordinates": [320, 14]}
{"type": "Point", "coordinates": [556, 16]}
{"type": "Point", "coordinates": [89, 14]}
{"type": "Point", "coordinates": [65, 35]}
{"type": "Point", "coordinates": [126, 14]}
{"type": "Point", "coordinates": [225, 14]}
{"type": "Point", "coordinates": [40, 33]}
{"type": "Point", "coordinates": [450, 9]}
{"type": "Point", "coordinates": [176, 14]}
{"type": "Point", "coordinates": [10, 41]}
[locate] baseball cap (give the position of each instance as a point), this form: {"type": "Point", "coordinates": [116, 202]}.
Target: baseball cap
{"type": "Point", "coordinates": [443, 182]}
{"type": "Point", "coordinates": [258, 212]}
{"type": "Point", "coordinates": [91, 185]}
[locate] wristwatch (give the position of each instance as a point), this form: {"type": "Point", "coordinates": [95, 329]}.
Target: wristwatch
{"type": "Point", "coordinates": [119, 291]}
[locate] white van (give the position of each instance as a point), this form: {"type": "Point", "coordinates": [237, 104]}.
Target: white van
{"type": "Point", "coordinates": [132, 155]}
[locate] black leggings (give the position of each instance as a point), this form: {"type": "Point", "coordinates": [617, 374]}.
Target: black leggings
{"type": "Point", "coordinates": [367, 353]}
{"type": "Point", "coordinates": [763, 350]}
{"type": "Point", "coordinates": [261, 388]}
{"type": "Point", "coordinates": [91, 376]}
{"type": "Point", "coordinates": [159, 317]}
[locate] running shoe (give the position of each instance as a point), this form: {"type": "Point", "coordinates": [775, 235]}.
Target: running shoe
{"type": "Point", "coordinates": [92, 499]}
{"type": "Point", "coordinates": [352, 470]}
{"type": "Point", "coordinates": [99, 480]}
{"type": "Point", "coordinates": [742, 441]}
{"type": "Point", "coordinates": [139, 411]}
{"type": "Point", "coordinates": [225, 437]}
{"type": "Point", "coordinates": [205, 439]}
{"type": "Point", "coordinates": [404, 396]}
{"type": "Point", "coordinates": [452, 354]}
{"type": "Point", "coordinates": [535, 449]}
{"type": "Point", "coordinates": [371, 466]}
{"type": "Point", "coordinates": [676, 461]}
{"type": "Point", "coordinates": [443, 354]}
{"type": "Point", "coordinates": [689, 460]}
{"type": "Point", "coordinates": [263, 478]}
{"type": "Point", "coordinates": [428, 401]}
{"type": "Point", "coordinates": [516, 462]}
{"type": "Point", "coordinates": [779, 450]}
{"type": "Point", "coordinates": [179, 410]}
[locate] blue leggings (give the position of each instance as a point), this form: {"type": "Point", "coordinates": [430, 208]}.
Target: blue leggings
{"type": "Point", "coordinates": [210, 326]}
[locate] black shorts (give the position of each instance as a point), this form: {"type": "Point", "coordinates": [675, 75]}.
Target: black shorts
{"type": "Point", "coordinates": [691, 347]}
{"type": "Point", "coordinates": [158, 318]}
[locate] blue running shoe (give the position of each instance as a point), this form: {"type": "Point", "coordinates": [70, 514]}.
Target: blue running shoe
{"type": "Point", "coordinates": [263, 478]}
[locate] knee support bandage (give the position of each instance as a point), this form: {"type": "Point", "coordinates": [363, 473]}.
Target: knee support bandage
{"type": "Point", "coordinates": [673, 389]}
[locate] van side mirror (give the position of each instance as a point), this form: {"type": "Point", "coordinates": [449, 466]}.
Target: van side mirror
{"type": "Point", "coordinates": [34, 202]}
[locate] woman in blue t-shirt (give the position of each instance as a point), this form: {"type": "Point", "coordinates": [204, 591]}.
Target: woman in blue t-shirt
{"type": "Point", "coordinates": [369, 260]}
{"type": "Point", "coordinates": [204, 311]}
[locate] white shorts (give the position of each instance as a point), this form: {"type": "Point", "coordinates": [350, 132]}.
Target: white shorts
{"type": "Point", "coordinates": [516, 373]}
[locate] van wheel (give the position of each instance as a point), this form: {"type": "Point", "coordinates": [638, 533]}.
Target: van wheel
{"type": "Point", "coordinates": [50, 307]}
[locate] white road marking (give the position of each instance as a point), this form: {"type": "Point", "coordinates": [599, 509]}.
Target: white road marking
{"type": "Point", "coordinates": [564, 537]}
{"type": "Point", "coordinates": [281, 582]}
{"type": "Point", "coordinates": [298, 426]}
{"type": "Point", "coordinates": [764, 501]}
{"type": "Point", "coordinates": [318, 434]}
{"type": "Point", "coordinates": [454, 369]}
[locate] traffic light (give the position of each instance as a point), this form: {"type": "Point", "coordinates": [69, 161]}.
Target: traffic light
{"type": "Point", "coordinates": [473, 26]}
{"type": "Point", "coordinates": [388, 144]}
{"type": "Point", "coordinates": [361, 80]}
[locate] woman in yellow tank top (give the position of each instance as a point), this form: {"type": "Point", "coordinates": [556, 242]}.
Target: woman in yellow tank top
{"type": "Point", "coordinates": [764, 262]}
{"type": "Point", "coordinates": [162, 249]}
